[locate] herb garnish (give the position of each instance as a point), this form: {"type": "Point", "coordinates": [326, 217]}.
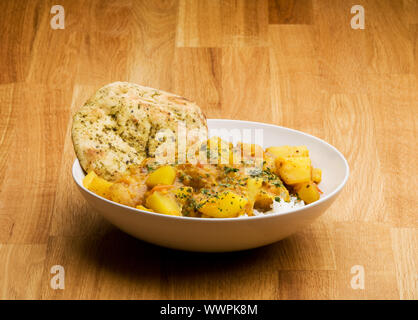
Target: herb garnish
{"type": "Point", "coordinates": [228, 170]}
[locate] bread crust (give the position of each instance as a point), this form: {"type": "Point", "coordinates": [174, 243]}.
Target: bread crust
{"type": "Point", "coordinates": [117, 126]}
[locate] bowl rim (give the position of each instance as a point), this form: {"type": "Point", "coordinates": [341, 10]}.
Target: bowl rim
{"type": "Point", "coordinates": [241, 218]}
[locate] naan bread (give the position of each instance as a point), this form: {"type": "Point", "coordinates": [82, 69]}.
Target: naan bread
{"type": "Point", "coordinates": [117, 126]}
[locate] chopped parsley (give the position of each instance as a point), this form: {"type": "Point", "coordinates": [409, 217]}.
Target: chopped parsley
{"type": "Point", "coordinates": [229, 169]}
{"type": "Point", "coordinates": [255, 172]}
{"type": "Point", "coordinates": [204, 191]}
{"type": "Point", "coordinates": [150, 168]}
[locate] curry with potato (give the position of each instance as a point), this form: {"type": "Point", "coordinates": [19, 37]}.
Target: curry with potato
{"type": "Point", "coordinates": [216, 190]}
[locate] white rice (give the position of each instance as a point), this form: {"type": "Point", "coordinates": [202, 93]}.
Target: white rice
{"type": "Point", "coordinates": [281, 207]}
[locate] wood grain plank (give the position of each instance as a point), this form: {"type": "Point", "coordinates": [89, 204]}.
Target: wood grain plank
{"type": "Point", "coordinates": [347, 115]}
{"type": "Point", "coordinates": [318, 285]}
{"type": "Point", "coordinates": [7, 127]}
{"type": "Point", "coordinates": [299, 101]}
{"type": "Point", "coordinates": [293, 50]}
{"type": "Point", "coordinates": [21, 268]}
{"type": "Point", "coordinates": [393, 99]}
{"type": "Point", "coordinates": [219, 276]}
{"type": "Point", "coordinates": [385, 22]}
{"type": "Point", "coordinates": [152, 42]}
{"type": "Point", "coordinates": [344, 54]}
{"type": "Point", "coordinates": [7, 124]}
{"type": "Point", "coordinates": [413, 30]}
{"type": "Point", "coordinates": [198, 77]}
{"type": "Point", "coordinates": [37, 137]}
{"type": "Point", "coordinates": [367, 245]}
{"type": "Point", "coordinates": [410, 11]}
{"type": "Point", "coordinates": [71, 215]}
{"type": "Point", "coordinates": [55, 53]}
{"type": "Point", "coordinates": [108, 27]}
{"type": "Point", "coordinates": [112, 265]}
{"type": "Point", "coordinates": [290, 12]}
{"type": "Point", "coordinates": [216, 23]}
{"type": "Point", "coordinates": [242, 68]}
{"type": "Point", "coordinates": [404, 245]}
{"type": "Point", "coordinates": [309, 249]}
{"type": "Point", "coordinates": [18, 24]}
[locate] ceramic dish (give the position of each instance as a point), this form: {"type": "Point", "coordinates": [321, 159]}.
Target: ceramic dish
{"type": "Point", "coordinates": [230, 234]}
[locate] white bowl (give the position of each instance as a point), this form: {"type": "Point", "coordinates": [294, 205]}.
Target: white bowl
{"type": "Point", "coordinates": [230, 234]}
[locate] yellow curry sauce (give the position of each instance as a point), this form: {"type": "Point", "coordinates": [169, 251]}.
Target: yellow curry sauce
{"type": "Point", "coordinates": [216, 190]}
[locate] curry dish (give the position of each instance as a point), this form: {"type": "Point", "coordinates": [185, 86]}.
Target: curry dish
{"type": "Point", "coordinates": [216, 189]}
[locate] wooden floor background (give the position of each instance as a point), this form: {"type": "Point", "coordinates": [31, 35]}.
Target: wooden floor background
{"type": "Point", "coordinates": [293, 63]}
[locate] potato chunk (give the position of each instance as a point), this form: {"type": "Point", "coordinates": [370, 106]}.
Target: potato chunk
{"type": "Point", "coordinates": [250, 150]}
{"type": "Point", "coordinates": [120, 193]}
{"type": "Point", "coordinates": [182, 194]}
{"type": "Point", "coordinates": [223, 147]}
{"type": "Point", "coordinates": [163, 203]}
{"type": "Point", "coordinates": [268, 163]}
{"type": "Point", "coordinates": [316, 175]}
{"type": "Point", "coordinates": [144, 208]}
{"type": "Point", "coordinates": [288, 151]}
{"type": "Point", "coordinates": [253, 187]}
{"type": "Point", "coordinates": [225, 205]}
{"type": "Point", "coordinates": [163, 175]}
{"type": "Point", "coordinates": [97, 185]}
{"type": "Point", "coordinates": [294, 170]}
{"type": "Point", "coordinates": [308, 192]}
{"type": "Point", "coordinates": [263, 201]}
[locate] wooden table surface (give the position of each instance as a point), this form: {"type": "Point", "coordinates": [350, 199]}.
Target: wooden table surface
{"type": "Point", "coordinates": [298, 64]}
